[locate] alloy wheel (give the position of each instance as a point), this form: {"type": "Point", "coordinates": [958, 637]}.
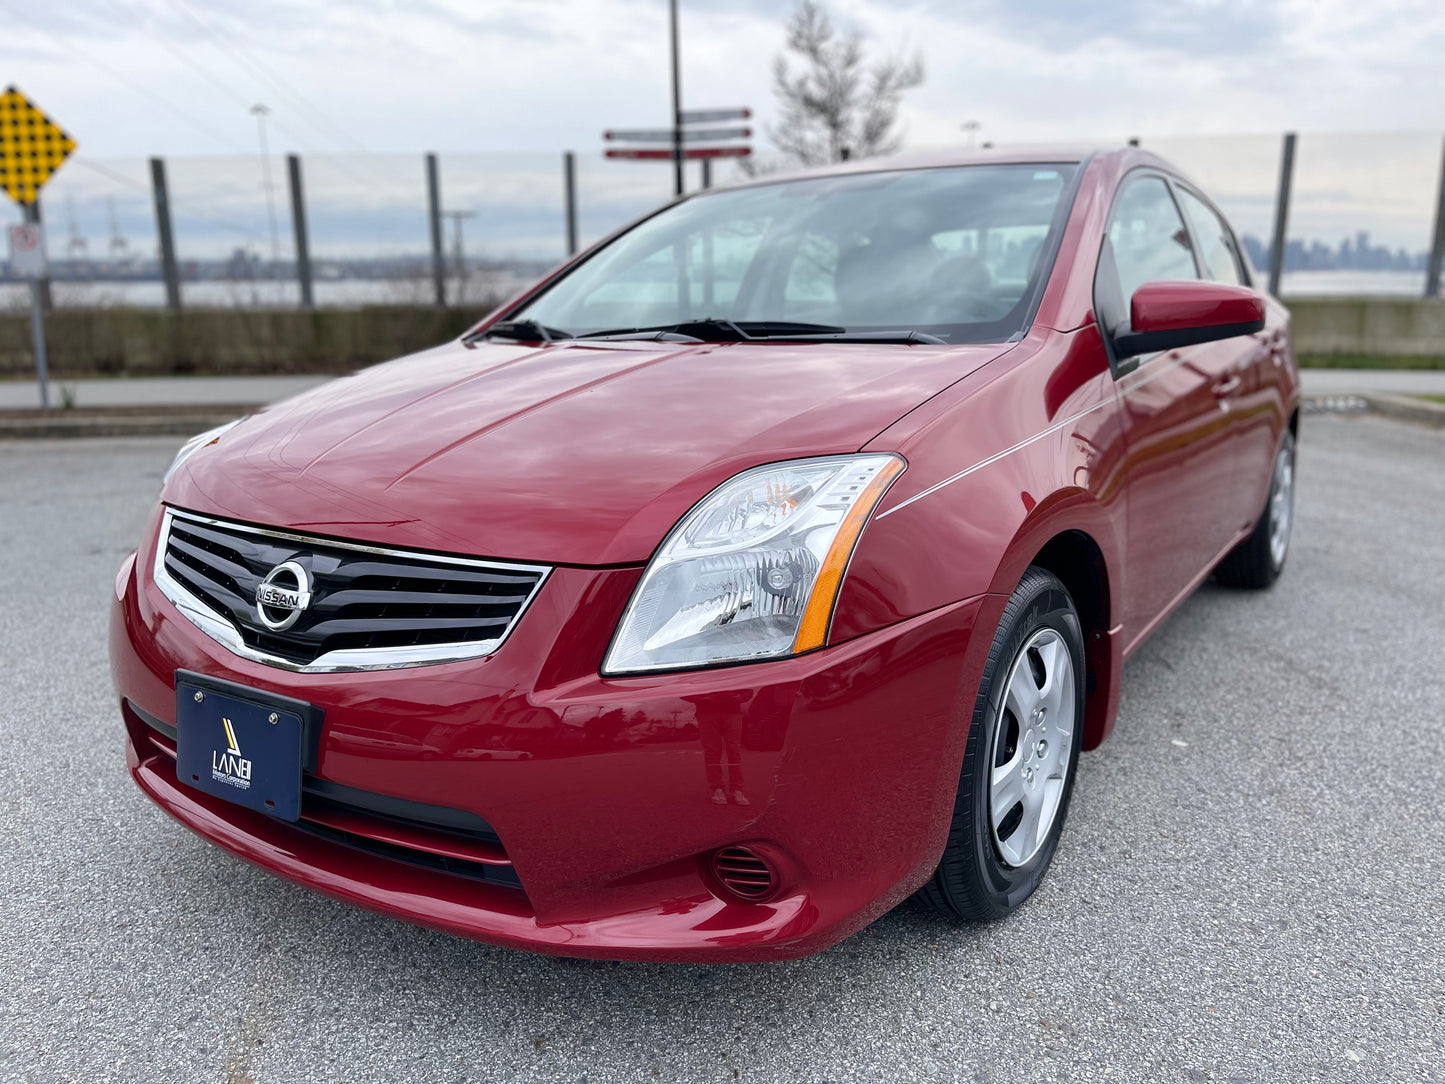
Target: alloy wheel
{"type": "Point", "coordinates": [1031, 747]}
{"type": "Point", "coordinates": [1281, 503]}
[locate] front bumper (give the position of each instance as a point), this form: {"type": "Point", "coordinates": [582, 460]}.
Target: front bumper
{"type": "Point", "coordinates": [607, 795]}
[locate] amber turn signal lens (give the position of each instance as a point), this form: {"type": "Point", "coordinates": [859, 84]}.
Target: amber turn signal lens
{"type": "Point", "coordinates": [813, 632]}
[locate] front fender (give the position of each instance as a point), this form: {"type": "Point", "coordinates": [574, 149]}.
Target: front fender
{"type": "Point", "coordinates": [1028, 447]}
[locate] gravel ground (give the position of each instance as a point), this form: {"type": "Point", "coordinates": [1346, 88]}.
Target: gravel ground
{"type": "Point", "coordinates": [1249, 888]}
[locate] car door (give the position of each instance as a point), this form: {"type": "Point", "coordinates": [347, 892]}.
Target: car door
{"type": "Point", "coordinates": [1180, 442]}
{"type": "Point", "coordinates": [1246, 361]}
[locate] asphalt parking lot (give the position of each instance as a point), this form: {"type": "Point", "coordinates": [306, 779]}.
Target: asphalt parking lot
{"type": "Point", "coordinates": [1251, 886]}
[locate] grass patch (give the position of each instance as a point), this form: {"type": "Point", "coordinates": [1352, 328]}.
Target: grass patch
{"type": "Point", "coordinates": [1371, 361]}
{"type": "Point", "coordinates": [1432, 398]}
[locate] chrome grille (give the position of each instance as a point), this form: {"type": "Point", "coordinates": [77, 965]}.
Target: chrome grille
{"type": "Point", "coordinates": [369, 608]}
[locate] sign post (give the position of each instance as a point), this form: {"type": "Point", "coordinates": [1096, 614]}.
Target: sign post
{"type": "Point", "coordinates": [27, 260]}
{"type": "Point", "coordinates": [32, 148]}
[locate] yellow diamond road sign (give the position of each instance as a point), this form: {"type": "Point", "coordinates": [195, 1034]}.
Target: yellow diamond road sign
{"type": "Point", "coordinates": [32, 146]}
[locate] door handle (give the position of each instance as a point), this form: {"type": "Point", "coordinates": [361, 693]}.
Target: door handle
{"type": "Point", "coordinates": [1228, 386]}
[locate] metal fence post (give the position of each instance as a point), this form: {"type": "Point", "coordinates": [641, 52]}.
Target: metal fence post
{"type": "Point", "coordinates": [1437, 246]}
{"type": "Point", "coordinates": [569, 178]}
{"type": "Point", "coordinates": [677, 158]}
{"type": "Point", "coordinates": [298, 222]}
{"type": "Point", "coordinates": [169, 269]}
{"type": "Point", "coordinates": [434, 210]}
{"type": "Point", "coordinates": [706, 164]}
{"type": "Point", "coordinates": [1281, 213]}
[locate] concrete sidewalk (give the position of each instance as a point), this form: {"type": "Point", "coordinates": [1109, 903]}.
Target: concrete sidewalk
{"type": "Point", "coordinates": [160, 391]}
{"type": "Point", "coordinates": [1373, 381]}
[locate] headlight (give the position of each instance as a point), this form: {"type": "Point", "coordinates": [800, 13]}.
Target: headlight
{"type": "Point", "coordinates": [195, 444]}
{"type": "Point", "coordinates": [753, 570]}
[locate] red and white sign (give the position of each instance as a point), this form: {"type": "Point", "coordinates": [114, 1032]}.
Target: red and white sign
{"type": "Point", "coordinates": [689, 135]}
{"type": "Point", "coordinates": [27, 251]}
{"type": "Point", "coordinates": [711, 116]}
{"type": "Point", "coordinates": [665, 154]}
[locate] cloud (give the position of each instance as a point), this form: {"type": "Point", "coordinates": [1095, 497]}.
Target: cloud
{"type": "Point", "coordinates": [1224, 29]}
{"type": "Point", "coordinates": [551, 74]}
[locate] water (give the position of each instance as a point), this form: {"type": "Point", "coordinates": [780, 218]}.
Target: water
{"type": "Point", "coordinates": [487, 286]}
{"type": "Point", "coordinates": [1349, 283]}
{"type": "Point", "coordinates": [337, 293]}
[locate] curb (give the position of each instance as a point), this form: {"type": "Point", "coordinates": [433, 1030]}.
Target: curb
{"type": "Point", "coordinates": [127, 421]}
{"type": "Point", "coordinates": [1407, 408]}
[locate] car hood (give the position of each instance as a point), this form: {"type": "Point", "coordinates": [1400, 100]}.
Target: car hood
{"type": "Point", "coordinates": [571, 453]}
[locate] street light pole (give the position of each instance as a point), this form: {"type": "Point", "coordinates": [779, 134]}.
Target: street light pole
{"type": "Point", "coordinates": [260, 112]}
{"type": "Point", "coordinates": [676, 105]}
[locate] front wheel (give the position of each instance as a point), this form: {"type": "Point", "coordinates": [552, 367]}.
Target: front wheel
{"type": "Point", "coordinates": [1259, 559]}
{"type": "Point", "coordinates": [1018, 767]}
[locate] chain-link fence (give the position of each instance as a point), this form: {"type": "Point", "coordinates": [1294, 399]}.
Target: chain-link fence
{"type": "Point", "coordinates": [1363, 215]}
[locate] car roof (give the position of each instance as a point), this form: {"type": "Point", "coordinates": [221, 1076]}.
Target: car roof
{"type": "Point", "coordinates": [1127, 158]}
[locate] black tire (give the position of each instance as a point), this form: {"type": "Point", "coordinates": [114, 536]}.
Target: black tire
{"type": "Point", "coordinates": [1256, 562]}
{"type": "Point", "coordinates": [973, 881]}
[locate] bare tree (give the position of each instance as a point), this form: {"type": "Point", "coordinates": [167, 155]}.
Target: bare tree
{"type": "Point", "coordinates": [837, 104]}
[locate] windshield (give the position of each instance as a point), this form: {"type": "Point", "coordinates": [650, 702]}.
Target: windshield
{"type": "Point", "coordinates": [953, 253]}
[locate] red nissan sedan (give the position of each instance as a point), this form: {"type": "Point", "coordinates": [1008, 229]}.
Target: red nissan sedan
{"type": "Point", "coordinates": [765, 565]}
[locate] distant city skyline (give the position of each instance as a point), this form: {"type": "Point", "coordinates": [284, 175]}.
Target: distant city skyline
{"type": "Point", "coordinates": [1351, 254]}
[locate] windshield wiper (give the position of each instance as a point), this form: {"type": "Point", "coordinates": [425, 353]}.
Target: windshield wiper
{"type": "Point", "coordinates": [521, 330]}
{"type": "Point", "coordinates": [717, 330]}
{"type": "Point", "coordinates": [779, 329]}
{"type": "Point", "coordinates": [661, 333]}
{"type": "Point", "coordinates": [904, 335]}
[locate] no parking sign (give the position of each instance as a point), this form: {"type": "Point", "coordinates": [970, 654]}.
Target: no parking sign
{"type": "Point", "coordinates": [27, 251]}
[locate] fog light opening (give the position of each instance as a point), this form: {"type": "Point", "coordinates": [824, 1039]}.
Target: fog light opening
{"type": "Point", "coordinates": [743, 874]}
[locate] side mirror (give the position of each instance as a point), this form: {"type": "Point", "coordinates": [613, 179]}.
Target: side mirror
{"type": "Point", "coordinates": [1168, 315]}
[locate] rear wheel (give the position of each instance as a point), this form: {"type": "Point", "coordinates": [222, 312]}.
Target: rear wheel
{"type": "Point", "coordinates": [1259, 559]}
{"type": "Point", "coordinates": [1018, 767]}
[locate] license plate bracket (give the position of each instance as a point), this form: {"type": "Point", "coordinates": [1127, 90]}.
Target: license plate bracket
{"type": "Point", "coordinates": [244, 745]}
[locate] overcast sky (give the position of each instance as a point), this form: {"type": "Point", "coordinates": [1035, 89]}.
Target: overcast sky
{"type": "Point", "coordinates": [134, 78]}
{"type": "Point", "coordinates": [176, 77]}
